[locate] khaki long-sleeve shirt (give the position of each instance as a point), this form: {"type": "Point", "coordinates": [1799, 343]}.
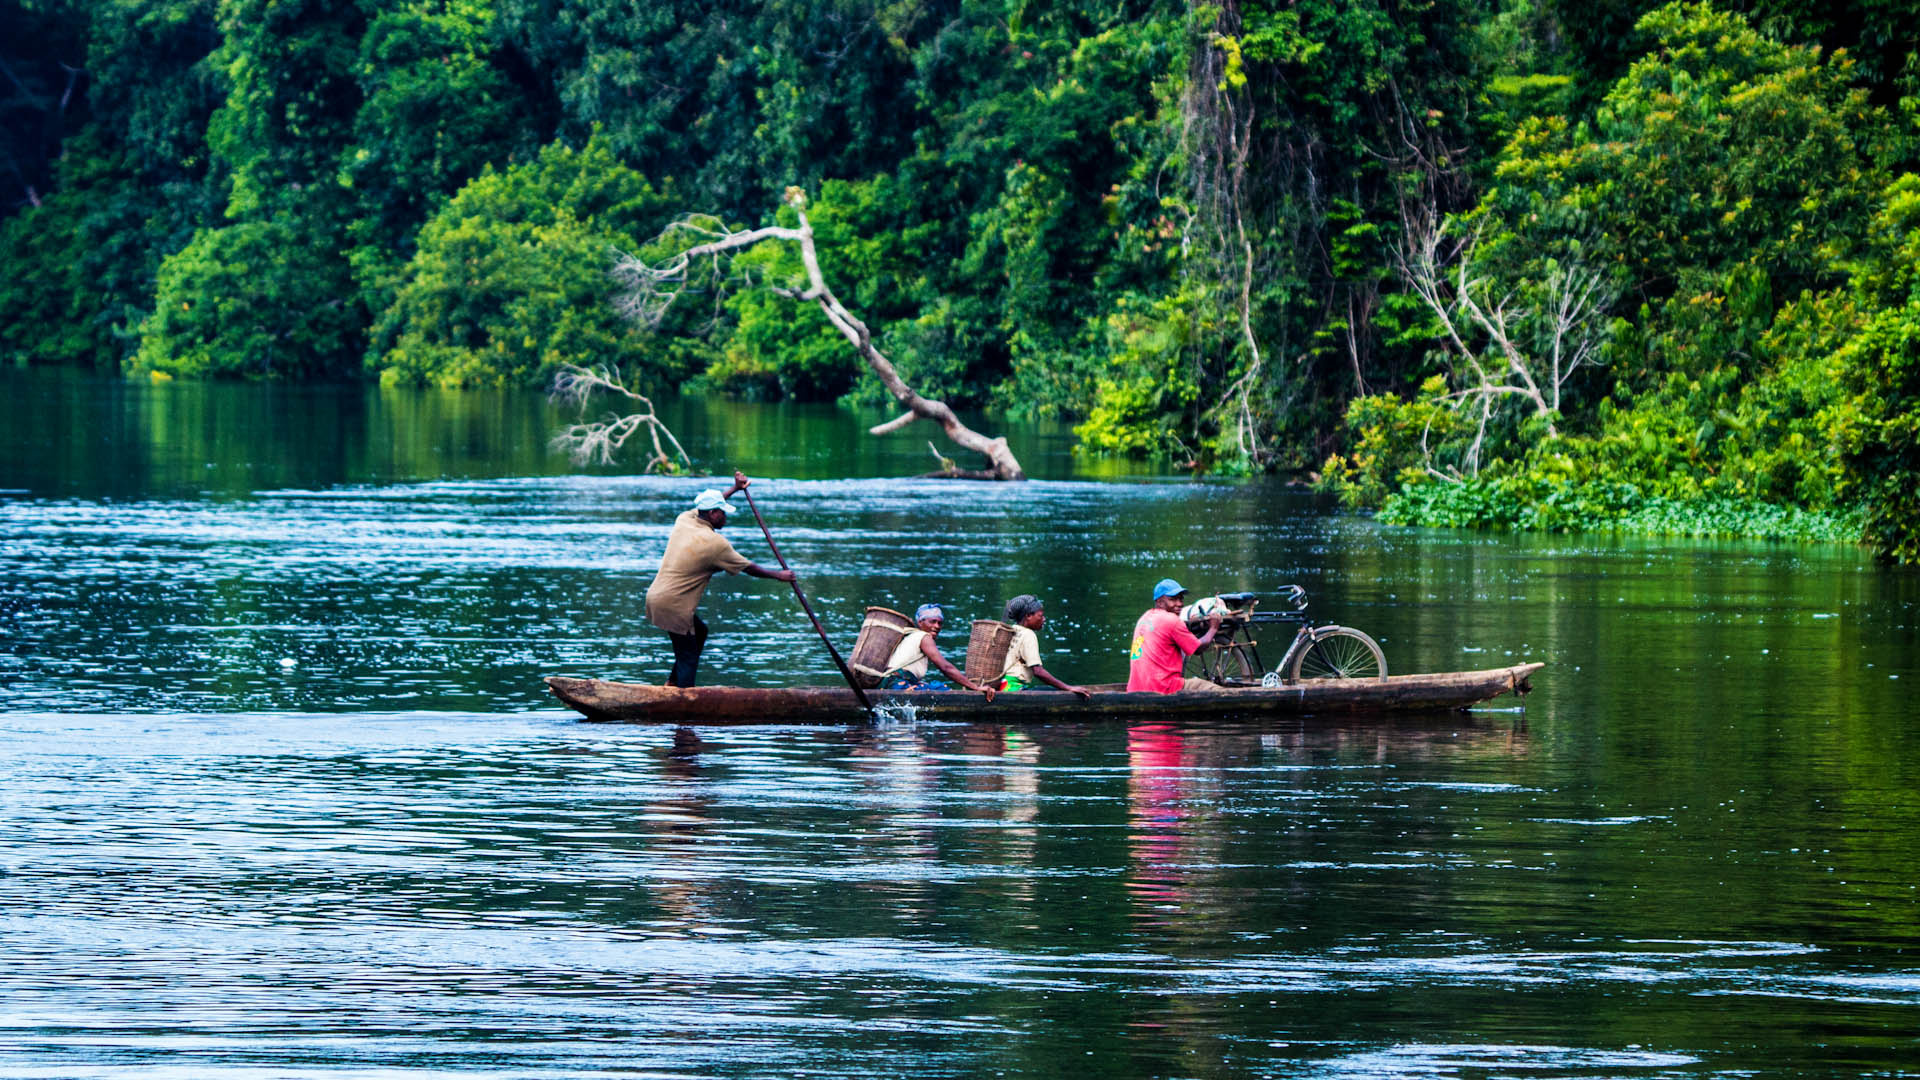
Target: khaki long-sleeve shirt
{"type": "Point", "coordinates": [695, 552]}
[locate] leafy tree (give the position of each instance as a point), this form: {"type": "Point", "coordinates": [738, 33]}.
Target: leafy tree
{"type": "Point", "coordinates": [435, 109]}
{"type": "Point", "coordinates": [45, 311]}
{"type": "Point", "coordinates": [872, 237]}
{"type": "Point", "coordinates": [1302, 131]}
{"type": "Point", "coordinates": [271, 293]}
{"type": "Point", "coordinates": [238, 301]}
{"type": "Point", "coordinates": [291, 98]}
{"type": "Point", "coordinates": [128, 188]}
{"type": "Point", "coordinates": [1720, 148]}
{"type": "Point", "coordinates": [1154, 375]}
{"type": "Point", "coordinates": [511, 281]}
{"type": "Point", "coordinates": [1730, 170]}
{"type": "Point", "coordinates": [1605, 37]}
{"type": "Point", "coordinates": [731, 100]}
{"type": "Point", "coordinates": [1874, 421]}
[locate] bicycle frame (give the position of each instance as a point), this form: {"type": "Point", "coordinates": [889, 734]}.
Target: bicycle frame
{"type": "Point", "coordinates": [1230, 638]}
{"type": "Point", "coordinates": [1232, 658]}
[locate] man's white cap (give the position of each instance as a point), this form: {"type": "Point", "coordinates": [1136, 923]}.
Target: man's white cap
{"type": "Point", "coordinates": [711, 499]}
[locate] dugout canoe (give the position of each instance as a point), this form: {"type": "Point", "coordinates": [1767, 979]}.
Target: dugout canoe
{"type": "Point", "coordinates": [644, 703]}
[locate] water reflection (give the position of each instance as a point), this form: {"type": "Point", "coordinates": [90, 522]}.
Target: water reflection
{"type": "Point", "coordinates": [677, 820]}
{"type": "Point", "coordinates": [69, 434]}
{"type": "Point", "coordinates": [452, 892]}
{"type": "Point", "coordinates": [1155, 793]}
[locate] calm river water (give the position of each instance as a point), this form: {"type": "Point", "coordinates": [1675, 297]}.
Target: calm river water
{"type": "Point", "coordinates": [281, 794]}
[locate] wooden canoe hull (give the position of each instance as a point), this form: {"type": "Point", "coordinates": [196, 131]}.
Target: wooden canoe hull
{"type": "Point", "coordinates": [643, 703]}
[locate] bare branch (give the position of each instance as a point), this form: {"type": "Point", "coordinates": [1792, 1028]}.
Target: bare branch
{"type": "Point", "coordinates": [599, 442]}
{"type": "Point", "coordinates": [892, 425]}
{"type": "Point", "coordinates": [1354, 320]}
{"type": "Point", "coordinates": [1219, 126]}
{"type": "Point", "coordinates": [1538, 349]}
{"type": "Point", "coordinates": [649, 289]}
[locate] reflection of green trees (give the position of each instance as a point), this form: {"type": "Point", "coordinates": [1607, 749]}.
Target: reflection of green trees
{"type": "Point", "coordinates": [433, 433]}
{"type": "Point", "coordinates": [1711, 858]}
{"type": "Point", "coordinates": [1742, 745]}
{"type": "Point", "coordinates": [1761, 707]}
{"type": "Point", "coordinates": [173, 436]}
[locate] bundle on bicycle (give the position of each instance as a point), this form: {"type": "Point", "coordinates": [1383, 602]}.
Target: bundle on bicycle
{"type": "Point", "coordinates": [1310, 652]}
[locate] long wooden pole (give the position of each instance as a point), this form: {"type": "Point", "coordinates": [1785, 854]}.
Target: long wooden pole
{"type": "Point", "coordinates": [808, 608]}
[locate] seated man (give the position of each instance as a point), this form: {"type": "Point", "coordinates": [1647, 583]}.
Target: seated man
{"type": "Point", "coordinates": [1027, 615]}
{"type": "Point", "coordinates": [1162, 643]}
{"type": "Point", "coordinates": [907, 667]}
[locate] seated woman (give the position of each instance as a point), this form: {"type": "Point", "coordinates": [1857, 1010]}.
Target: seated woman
{"type": "Point", "coordinates": [1027, 615]}
{"type": "Point", "coordinates": [907, 667]}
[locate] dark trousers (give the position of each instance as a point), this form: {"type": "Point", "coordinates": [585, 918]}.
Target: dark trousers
{"type": "Point", "coordinates": [686, 653]}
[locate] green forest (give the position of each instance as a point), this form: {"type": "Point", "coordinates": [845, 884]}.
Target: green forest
{"type": "Point", "coordinates": [1511, 263]}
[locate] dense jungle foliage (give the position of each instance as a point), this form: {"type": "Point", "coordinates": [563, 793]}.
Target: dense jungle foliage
{"type": "Point", "coordinates": [1525, 263]}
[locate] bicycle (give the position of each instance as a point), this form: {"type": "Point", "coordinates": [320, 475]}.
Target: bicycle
{"type": "Point", "coordinates": [1316, 652]}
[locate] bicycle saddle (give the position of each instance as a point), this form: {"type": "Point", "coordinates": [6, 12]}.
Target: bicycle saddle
{"type": "Point", "coordinates": [1237, 599]}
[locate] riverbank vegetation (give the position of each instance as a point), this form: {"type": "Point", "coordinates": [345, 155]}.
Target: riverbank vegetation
{"type": "Point", "coordinates": [1516, 263]}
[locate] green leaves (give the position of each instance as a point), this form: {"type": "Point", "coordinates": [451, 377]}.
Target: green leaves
{"type": "Point", "coordinates": [1550, 499]}
{"type": "Point", "coordinates": [510, 279]}
{"type": "Point", "coordinates": [1396, 443]}
{"type": "Point", "coordinates": [1721, 146]}
{"type": "Point", "coordinates": [250, 300]}
{"type": "Point", "coordinates": [1758, 358]}
{"type": "Point", "coordinates": [1875, 425]}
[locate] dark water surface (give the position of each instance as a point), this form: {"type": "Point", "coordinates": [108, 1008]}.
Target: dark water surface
{"type": "Point", "coordinates": [281, 794]}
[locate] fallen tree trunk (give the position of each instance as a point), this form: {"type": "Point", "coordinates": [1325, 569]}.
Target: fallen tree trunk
{"type": "Point", "coordinates": [651, 289]}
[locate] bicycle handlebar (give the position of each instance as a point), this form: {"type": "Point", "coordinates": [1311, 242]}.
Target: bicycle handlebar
{"type": "Point", "coordinates": [1241, 607]}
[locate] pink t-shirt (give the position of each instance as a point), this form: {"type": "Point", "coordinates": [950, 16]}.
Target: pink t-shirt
{"type": "Point", "coordinates": [1161, 645]}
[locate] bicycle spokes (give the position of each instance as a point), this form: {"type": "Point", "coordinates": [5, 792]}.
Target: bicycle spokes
{"type": "Point", "coordinates": [1340, 653]}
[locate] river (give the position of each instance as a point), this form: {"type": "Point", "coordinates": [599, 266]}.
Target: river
{"type": "Point", "coordinates": [282, 795]}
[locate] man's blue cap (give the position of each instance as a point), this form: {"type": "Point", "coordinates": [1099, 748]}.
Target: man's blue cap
{"type": "Point", "coordinates": [1167, 587]}
{"type": "Point", "coordinates": [929, 611]}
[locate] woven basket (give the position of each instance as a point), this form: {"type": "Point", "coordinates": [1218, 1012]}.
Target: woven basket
{"type": "Point", "coordinates": [987, 650]}
{"type": "Point", "coordinates": [880, 634]}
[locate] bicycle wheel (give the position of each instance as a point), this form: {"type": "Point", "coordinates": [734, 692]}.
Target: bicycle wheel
{"type": "Point", "coordinates": [1338, 652]}
{"type": "Point", "coordinates": [1228, 665]}
{"type": "Point", "coordinates": [1235, 667]}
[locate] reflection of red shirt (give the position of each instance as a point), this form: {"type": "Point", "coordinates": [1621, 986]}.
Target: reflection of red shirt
{"type": "Point", "coordinates": [1161, 644]}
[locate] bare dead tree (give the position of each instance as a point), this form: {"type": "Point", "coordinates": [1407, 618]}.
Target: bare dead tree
{"type": "Point", "coordinates": [1431, 178]}
{"type": "Point", "coordinates": [598, 441]}
{"type": "Point", "coordinates": [651, 288]}
{"type": "Point", "coordinates": [1217, 121]}
{"type": "Point", "coordinates": [1511, 342]}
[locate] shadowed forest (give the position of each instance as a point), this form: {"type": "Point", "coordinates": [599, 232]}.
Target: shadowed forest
{"type": "Point", "coordinates": [1530, 263]}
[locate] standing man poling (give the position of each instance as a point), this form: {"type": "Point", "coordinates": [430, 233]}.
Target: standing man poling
{"type": "Point", "coordinates": [695, 552]}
